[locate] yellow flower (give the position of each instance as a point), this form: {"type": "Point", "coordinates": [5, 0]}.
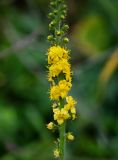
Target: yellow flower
{"type": "Point", "coordinates": [54, 70]}
{"type": "Point", "coordinates": [54, 93]}
{"type": "Point", "coordinates": [64, 87]}
{"type": "Point", "coordinates": [50, 125]}
{"type": "Point", "coordinates": [56, 153]}
{"type": "Point", "coordinates": [60, 115]}
{"type": "Point", "coordinates": [70, 136]}
{"type": "Point", "coordinates": [61, 66]}
{"type": "Point", "coordinates": [71, 101]}
{"type": "Point", "coordinates": [73, 110]}
{"type": "Point", "coordinates": [60, 90]}
{"type": "Point", "coordinates": [56, 53]}
{"type": "Point", "coordinates": [70, 104]}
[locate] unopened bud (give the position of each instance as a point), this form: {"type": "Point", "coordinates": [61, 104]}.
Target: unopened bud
{"type": "Point", "coordinates": [52, 24]}
{"type": "Point", "coordinates": [62, 17]}
{"type": "Point", "coordinates": [55, 11]}
{"type": "Point", "coordinates": [58, 33]}
{"type": "Point", "coordinates": [64, 6]}
{"type": "Point", "coordinates": [52, 3]}
{"type": "Point", "coordinates": [65, 27]}
{"type": "Point", "coordinates": [66, 40]}
{"type": "Point", "coordinates": [50, 15]}
{"type": "Point", "coordinates": [50, 37]}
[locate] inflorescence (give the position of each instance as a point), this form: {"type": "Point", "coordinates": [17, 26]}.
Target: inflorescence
{"type": "Point", "coordinates": [59, 72]}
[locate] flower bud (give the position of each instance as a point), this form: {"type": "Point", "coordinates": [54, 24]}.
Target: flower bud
{"type": "Point", "coordinates": [58, 33]}
{"type": "Point", "coordinates": [50, 37]}
{"type": "Point", "coordinates": [50, 15]}
{"type": "Point", "coordinates": [64, 12]}
{"type": "Point", "coordinates": [65, 27]}
{"type": "Point", "coordinates": [52, 24]}
{"type": "Point", "coordinates": [52, 4]}
{"type": "Point", "coordinates": [56, 153]}
{"type": "Point", "coordinates": [50, 125]}
{"type": "Point", "coordinates": [70, 136]}
{"type": "Point", "coordinates": [55, 11]}
{"type": "Point", "coordinates": [66, 40]}
{"type": "Point", "coordinates": [62, 17]}
{"type": "Point", "coordinates": [64, 6]}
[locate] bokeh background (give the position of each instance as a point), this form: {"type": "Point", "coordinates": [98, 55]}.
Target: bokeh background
{"type": "Point", "coordinates": [24, 104]}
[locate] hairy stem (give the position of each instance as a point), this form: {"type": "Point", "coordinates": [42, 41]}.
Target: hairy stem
{"type": "Point", "coordinates": [62, 135]}
{"type": "Point", "coordinates": [62, 141]}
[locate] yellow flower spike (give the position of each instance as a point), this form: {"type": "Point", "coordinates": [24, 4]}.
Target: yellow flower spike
{"type": "Point", "coordinates": [50, 125]}
{"type": "Point", "coordinates": [70, 136]}
{"type": "Point", "coordinates": [59, 74]}
{"type": "Point", "coordinates": [56, 153]}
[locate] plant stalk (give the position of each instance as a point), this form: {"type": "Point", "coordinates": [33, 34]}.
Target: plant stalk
{"type": "Point", "coordinates": [62, 135]}
{"type": "Point", "coordinates": [62, 141]}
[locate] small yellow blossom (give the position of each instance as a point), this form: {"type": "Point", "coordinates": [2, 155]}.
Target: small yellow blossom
{"type": "Point", "coordinates": [60, 115]}
{"type": "Point", "coordinates": [57, 53]}
{"type": "Point", "coordinates": [56, 153]}
{"type": "Point", "coordinates": [64, 87]}
{"type": "Point", "coordinates": [73, 110]}
{"type": "Point", "coordinates": [70, 136]}
{"type": "Point", "coordinates": [50, 125]}
{"type": "Point", "coordinates": [60, 90]}
{"type": "Point", "coordinates": [54, 93]}
{"type": "Point", "coordinates": [70, 104]}
{"type": "Point", "coordinates": [61, 66]}
{"type": "Point", "coordinates": [54, 70]}
{"type": "Point", "coordinates": [71, 101]}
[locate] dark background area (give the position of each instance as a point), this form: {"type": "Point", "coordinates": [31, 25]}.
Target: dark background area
{"type": "Point", "coordinates": [25, 108]}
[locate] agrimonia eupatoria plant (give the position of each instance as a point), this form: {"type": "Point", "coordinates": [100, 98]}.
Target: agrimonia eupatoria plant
{"type": "Point", "coordinates": [59, 76]}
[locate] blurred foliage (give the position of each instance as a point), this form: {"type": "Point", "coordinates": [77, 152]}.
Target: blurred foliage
{"type": "Point", "coordinates": [24, 104]}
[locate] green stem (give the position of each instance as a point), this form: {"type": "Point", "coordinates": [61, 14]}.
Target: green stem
{"type": "Point", "coordinates": [62, 135]}
{"type": "Point", "coordinates": [62, 141]}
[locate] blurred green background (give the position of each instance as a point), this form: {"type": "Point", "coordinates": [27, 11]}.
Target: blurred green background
{"type": "Point", "coordinates": [24, 104]}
